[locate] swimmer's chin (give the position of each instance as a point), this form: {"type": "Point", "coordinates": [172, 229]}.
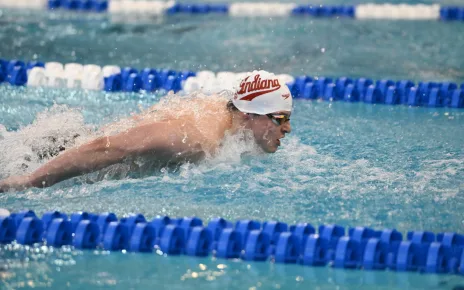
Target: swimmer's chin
{"type": "Point", "coordinates": [271, 148]}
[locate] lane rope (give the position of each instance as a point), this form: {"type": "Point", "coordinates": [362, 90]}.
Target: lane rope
{"type": "Point", "coordinates": [252, 9]}
{"type": "Point", "coordinates": [113, 78]}
{"type": "Point", "coordinates": [357, 248]}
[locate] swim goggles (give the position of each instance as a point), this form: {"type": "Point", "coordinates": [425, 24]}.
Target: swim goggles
{"type": "Point", "coordinates": [278, 119]}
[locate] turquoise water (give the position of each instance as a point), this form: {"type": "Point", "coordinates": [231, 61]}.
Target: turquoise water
{"type": "Point", "coordinates": [350, 164]}
{"type": "Point", "coordinates": [416, 50]}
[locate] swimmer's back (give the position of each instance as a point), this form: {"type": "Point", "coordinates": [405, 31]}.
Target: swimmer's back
{"type": "Point", "coordinates": [206, 116]}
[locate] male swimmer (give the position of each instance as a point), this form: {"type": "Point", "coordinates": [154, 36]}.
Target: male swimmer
{"type": "Point", "coordinates": [262, 104]}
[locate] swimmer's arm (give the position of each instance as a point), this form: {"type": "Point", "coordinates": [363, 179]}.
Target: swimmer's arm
{"type": "Point", "coordinates": [161, 141]}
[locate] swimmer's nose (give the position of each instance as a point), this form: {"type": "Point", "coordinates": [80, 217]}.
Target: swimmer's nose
{"type": "Point", "coordinates": [286, 128]}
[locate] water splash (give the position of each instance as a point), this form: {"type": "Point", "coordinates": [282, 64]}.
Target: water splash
{"type": "Point", "coordinates": [53, 130]}
{"type": "Point", "coordinates": [59, 128]}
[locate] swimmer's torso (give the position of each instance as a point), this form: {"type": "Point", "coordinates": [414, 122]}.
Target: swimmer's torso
{"type": "Point", "coordinates": [205, 116]}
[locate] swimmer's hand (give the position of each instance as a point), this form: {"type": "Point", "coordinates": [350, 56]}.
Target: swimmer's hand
{"type": "Point", "coordinates": [15, 183]}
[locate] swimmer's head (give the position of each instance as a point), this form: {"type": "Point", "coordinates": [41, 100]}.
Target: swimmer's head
{"type": "Point", "coordinates": [261, 92]}
{"type": "Point", "coordinates": [266, 104]}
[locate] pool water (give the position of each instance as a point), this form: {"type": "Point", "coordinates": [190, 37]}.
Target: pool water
{"type": "Point", "coordinates": [350, 164]}
{"type": "Point", "coordinates": [415, 50]}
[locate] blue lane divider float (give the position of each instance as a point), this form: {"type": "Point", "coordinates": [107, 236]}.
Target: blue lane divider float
{"type": "Point", "coordinates": [115, 79]}
{"type": "Point", "coordinates": [79, 5]}
{"type": "Point", "coordinates": [253, 9]}
{"type": "Point", "coordinates": [389, 92]}
{"type": "Point", "coordinates": [358, 248]}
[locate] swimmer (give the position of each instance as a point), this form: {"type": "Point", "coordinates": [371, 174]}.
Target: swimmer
{"type": "Point", "coordinates": [262, 104]}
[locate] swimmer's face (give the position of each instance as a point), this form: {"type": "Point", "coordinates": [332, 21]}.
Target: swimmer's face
{"type": "Point", "coordinates": [268, 132]}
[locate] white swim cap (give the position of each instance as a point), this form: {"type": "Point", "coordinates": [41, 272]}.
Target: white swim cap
{"type": "Point", "coordinates": [261, 92]}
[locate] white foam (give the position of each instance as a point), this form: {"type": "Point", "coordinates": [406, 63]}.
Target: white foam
{"type": "Point", "coordinates": [233, 149]}
{"type": "Point", "coordinates": [52, 128]}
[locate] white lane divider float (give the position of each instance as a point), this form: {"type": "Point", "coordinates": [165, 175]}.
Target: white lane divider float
{"type": "Point", "coordinates": [91, 77]}
{"type": "Point", "coordinates": [208, 82]}
{"type": "Point", "coordinates": [261, 9]}
{"type": "Point", "coordinates": [401, 11]}
{"type": "Point", "coordinates": [24, 4]}
{"type": "Point", "coordinates": [139, 7]}
{"type": "Point", "coordinates": [71, 75]}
